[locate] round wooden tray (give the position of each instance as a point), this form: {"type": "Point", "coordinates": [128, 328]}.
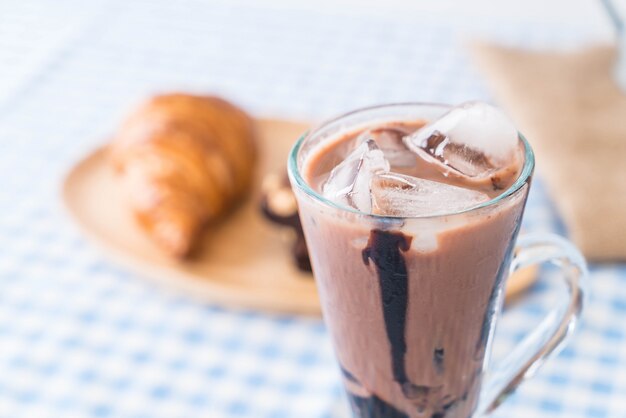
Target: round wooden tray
{"type": "Point", "coordinates": [243, 262]}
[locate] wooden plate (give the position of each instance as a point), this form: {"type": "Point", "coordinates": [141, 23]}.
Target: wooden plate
{"type": "Point", "coordinates": [244, 262]}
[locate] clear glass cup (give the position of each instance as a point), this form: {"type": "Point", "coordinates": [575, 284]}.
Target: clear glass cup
{"type": "Point", "coordinates": [411, 303]}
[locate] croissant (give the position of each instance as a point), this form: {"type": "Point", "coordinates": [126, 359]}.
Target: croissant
{"type": "Point", "coordinates": [183, 161]}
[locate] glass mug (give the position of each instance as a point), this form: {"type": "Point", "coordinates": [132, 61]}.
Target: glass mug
{"type": "Point", "coordinates": [411, 303]}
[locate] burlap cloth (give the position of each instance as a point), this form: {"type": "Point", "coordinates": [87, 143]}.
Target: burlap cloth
{"type": "Point", "coordinates": [572, 112]}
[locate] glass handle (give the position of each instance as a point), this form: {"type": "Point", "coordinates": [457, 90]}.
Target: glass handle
{"type": "Point", "coordinates": [548, 337]}
{"type": "Point", "coordinates": [617, 19]}
{"type": "Point", "coordinates": [614, 15]}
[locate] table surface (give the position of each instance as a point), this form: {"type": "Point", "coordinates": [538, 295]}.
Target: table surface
{"type": "Point", "coordinates": [82, 337]}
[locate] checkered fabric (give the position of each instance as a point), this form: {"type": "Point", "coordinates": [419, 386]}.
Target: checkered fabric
{"type": "Point", "coordinates": [82, 337]}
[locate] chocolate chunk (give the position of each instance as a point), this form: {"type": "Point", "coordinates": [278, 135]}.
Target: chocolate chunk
{"type": "Point", "coordinates": [301, 253]}
{"type": "Point", "coordinates": [278, 205]}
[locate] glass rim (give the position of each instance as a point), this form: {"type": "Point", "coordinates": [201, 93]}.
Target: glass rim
{"type": "Point", "coordinates": [298, 180]}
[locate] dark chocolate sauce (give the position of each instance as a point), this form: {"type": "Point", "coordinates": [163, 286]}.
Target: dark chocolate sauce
{"type": "Point", "coordinates": [385, 249]}
{"type": "Point", "coordinates": [374, 407]}
{"type": "Point", "coordinates": [370, 406]}
{"type": "Point", "coordinates": [349, 376]}
{"type": "Point", "coordinates": [438, 359]}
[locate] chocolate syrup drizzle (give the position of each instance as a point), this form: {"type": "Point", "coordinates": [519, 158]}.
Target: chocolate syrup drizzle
{"type": "Point", "coordinates": [384, 249]}
{"type": "Point", "coordinates": [374, 407]}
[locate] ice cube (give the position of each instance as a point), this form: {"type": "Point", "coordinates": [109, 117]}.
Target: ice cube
{"type": "Point", "coordinates": [401, 195]}
{"type": "Point", "coordinates": [390, 141]}
{"type": "Point", "coordinates": [350, 181]}
{"type": "Point", "coordinates": [474, 138]}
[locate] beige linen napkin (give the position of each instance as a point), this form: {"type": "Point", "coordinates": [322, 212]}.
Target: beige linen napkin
{"type": "Point", "coordinates": [572, 112]}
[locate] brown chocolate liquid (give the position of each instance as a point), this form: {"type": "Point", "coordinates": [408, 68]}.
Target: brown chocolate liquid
{"type": "Point", "coordinates": [410, 325]}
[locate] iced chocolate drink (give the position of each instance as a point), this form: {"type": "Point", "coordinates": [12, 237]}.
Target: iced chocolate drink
{"type": "Point", "coordinates": [410, 213]}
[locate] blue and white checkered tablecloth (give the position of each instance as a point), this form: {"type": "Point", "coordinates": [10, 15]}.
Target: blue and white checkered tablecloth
{"type": "Point", "coordinates": [82, 337]}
